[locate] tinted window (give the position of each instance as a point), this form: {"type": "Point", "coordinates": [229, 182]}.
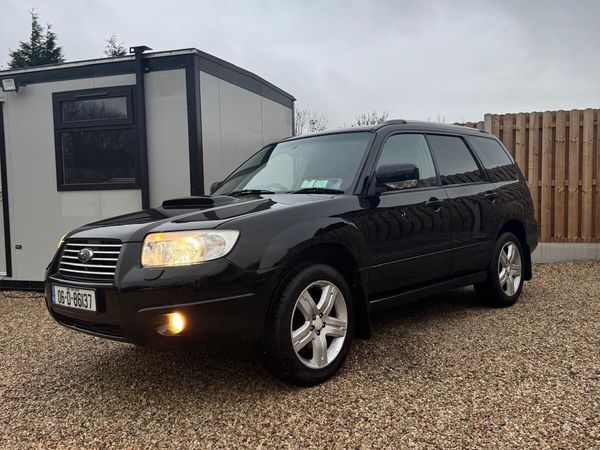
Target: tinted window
{"type": "Point", "coordinates": [330, 161]}
{"type": "Point", "coordinates": [497, 163]}
{"type": "Point", "coordinates": [94, 109]}
{"type": "Point", "coordinates": [106, 156]}
{"type": "Point", "coordinates": [410, 149]}
{"type": "Point", "coordinates": [454, 160]}
{"type": "Point", "coordinates": [96, 139]}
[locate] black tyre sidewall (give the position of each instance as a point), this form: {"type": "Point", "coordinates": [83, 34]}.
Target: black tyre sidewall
{"type": "Point", "coordinates": [279, 356]}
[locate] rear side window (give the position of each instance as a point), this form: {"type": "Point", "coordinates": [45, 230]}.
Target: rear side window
{"type": "Point", "coordinates": [495, 160]}
{"type": "Point", "coordinates": [455, 162]}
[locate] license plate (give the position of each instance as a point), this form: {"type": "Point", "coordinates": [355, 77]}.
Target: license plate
{"type": "Point", "coordinates": [74, 298]}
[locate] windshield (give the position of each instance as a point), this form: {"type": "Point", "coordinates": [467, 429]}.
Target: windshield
{"type": "Point", "coordinates": [320, 162]}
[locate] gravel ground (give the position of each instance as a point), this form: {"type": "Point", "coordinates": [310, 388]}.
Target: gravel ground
{"type": "Point", "coordinates": [442, 373]}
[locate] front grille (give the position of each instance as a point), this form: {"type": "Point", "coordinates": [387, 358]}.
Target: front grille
{"type": "Point", "coordinates": [102, 265]}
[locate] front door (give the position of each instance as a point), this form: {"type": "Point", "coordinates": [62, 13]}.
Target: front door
{"type": "Point", "coordinates": [408, 231]}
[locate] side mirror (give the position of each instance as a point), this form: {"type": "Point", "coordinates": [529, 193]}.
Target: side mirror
{"type": "Point", "coordinates": [397, 176]}
{"type": "Point", "coordinates": [216, 185]}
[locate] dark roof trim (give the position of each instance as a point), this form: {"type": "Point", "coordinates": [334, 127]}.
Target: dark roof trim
{"type": "Point", "coordinates": [71, 73]}
{"type": "Point", "coordinates": [178, 59]}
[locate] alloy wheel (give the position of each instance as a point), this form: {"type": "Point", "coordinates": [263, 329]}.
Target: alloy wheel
{"type": "Point", "coordinates": [510, 268]}
{"type": "Point", "coordinates": [319, 324]}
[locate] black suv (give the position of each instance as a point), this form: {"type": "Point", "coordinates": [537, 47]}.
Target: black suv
{"type": "Point", "coordinates": [302, 242]}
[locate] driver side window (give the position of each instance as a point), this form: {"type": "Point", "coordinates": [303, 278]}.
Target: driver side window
{"type": "Point", "coordinates": [410, 149]}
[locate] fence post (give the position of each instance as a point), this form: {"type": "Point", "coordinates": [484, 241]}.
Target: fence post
{"type": "Point", "coordinates": [560, 160]}
{"type": "Point", "coordinates": [487, 122]}
{"type": "Point", "coordinates": [547, 163]}
{"type": "Point", "coordinates": [521, 143]}
{"type": "Point", "coordinates": [587, 174]}
{"type": "Point", "coordinates": [533, 163]}
{"type": "Point", "coordinates": [573, 193]}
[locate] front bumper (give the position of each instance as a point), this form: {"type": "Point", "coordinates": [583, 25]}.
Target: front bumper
{"type": "Point", "coordinates": [218, 299]}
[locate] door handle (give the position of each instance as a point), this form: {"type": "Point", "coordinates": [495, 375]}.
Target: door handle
{"type": "Point", "coordinates": [434, 203]}
{"type": "Point", "coordinates": [491, 196]}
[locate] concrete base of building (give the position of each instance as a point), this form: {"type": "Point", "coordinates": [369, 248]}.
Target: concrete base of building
{"type": "Point", "coordinates": [556, 252]}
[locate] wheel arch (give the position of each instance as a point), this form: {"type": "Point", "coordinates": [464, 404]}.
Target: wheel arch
{"type": "Point", "coordinates": [340, 258]}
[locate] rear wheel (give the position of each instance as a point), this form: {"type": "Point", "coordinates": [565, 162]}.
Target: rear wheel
{"type": "Point", "coordinates": [505, 273]}
{"type": "Point", "coordinates": [309, 330]}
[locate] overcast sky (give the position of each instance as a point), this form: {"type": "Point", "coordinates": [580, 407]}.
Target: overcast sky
{"type": "Point", "coordinates": [414, 59]}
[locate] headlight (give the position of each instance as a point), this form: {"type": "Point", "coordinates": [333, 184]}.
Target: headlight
{"type": "Point", "coordinates": [62, 241]}
{"type": "Point", "coordinates": [182, 248]}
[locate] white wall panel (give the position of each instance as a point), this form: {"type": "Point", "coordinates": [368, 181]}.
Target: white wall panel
{"type": "Point", "coordinates": [212, 148]}
{"type": "Point", "coordinates": [277, 121]}
{"type": "Point", "coordinates": [235, 124]}
{"type": "Point", "coordinates": [39, 214]}
{"type": "Point", "coordinates": [167, 132]}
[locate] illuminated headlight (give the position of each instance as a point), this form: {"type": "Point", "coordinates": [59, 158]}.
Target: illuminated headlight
{"type": "Point", "coordinates": [182, 248]}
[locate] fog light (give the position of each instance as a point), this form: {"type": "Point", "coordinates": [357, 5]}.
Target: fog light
{"type": "Point", "coordinates": [175, 324]}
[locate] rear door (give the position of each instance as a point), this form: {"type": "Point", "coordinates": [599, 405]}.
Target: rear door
{"type": "Point", "coordinates": [471, 203]}
{"type": "Point", "coordinates": [407, 230]}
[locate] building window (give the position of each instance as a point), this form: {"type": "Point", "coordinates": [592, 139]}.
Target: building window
{"type": "Point", "coordinates": [96, 139]}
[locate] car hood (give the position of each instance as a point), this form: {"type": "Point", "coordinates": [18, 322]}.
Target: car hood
{"type": "Point", "coordinates": [177, 217]}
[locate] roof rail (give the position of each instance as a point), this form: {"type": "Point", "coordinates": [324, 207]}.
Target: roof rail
{"type": "Point", "coordinates": [484, 131]}
{"type": "Point", "coordinates": [393, 121]}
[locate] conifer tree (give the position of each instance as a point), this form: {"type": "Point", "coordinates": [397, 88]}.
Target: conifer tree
{"type": "Point", "coordinates": [40, 49]}
{"type": "Point", "coordinates": [114, 48]}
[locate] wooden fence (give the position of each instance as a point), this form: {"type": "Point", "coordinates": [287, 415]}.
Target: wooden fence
{"type": "Point", "coordinates": [559, 154]}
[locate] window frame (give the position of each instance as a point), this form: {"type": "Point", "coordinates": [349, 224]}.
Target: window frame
{"type": "Point", "coordinates": [373, 182]}
{"type": "Point", "coordinates": [475, 149]}
{"type": "Point", "coordinates": [60, 127]}
{"type": "Point", "coordinates": [484, 175]}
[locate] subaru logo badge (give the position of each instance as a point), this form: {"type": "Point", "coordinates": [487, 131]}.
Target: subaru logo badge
{"type": "Point", "coordinates": [85, 254]}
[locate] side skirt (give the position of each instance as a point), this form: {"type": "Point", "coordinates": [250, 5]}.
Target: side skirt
{"type": "Point", "coordinates": [426, 291]}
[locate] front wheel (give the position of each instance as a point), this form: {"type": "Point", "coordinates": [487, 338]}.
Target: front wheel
{"type": "Point", "coordinates": [505, 273]}
{"type": "Point", "coordinates": [309, 329]}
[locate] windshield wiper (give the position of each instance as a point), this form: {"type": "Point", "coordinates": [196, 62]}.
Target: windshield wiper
{"type": "Point", "coordinates": [317, 190]}
{"type": "Point", "coordinates": [250, 192]}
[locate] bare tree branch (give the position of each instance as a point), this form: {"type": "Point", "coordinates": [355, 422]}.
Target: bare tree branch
{"type": "Point", "coordinates": [308, 121]}
{"type": "Point", "coordinates": [371, 118]}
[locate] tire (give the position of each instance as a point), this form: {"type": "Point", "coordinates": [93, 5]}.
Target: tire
{"type": "Point", "coordinates": [504, 276]}
{"type": "Point", "coordinates": [320, 348]}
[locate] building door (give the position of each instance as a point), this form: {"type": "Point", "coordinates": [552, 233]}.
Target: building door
{"type": "Point", "coordinates": [5, 263]}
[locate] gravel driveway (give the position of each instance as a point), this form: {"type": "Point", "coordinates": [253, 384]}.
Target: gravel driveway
{"type": "Point", "coordinates": [442, 373]}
